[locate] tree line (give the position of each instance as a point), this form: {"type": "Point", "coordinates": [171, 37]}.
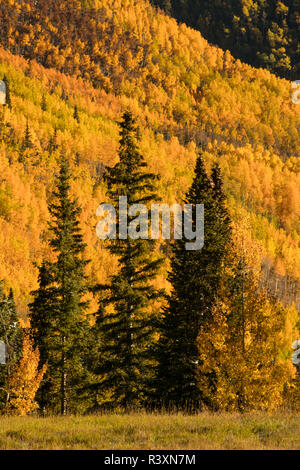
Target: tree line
{"type": "Point", "coordinates": [215, 340]}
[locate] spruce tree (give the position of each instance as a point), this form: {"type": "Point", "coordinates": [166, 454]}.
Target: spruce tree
{"type": "Point", "coordinates": [11, 335]}
{"type": "Point", "coordinates": [195, 278]}
{"type": "Point", "coordinates": [57, 312]}
{"type": "Point", "coordinates": [27, 147]}
{"type": "Point", "coordinates": [43, 328]}
{"type": "Point", "coordinates": [125, 335]}
{"type": "Point", "coordinates": [222, 223]}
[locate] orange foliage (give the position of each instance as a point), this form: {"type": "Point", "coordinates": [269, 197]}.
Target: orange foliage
{"type": "Point", "coordinates": [25, 381]}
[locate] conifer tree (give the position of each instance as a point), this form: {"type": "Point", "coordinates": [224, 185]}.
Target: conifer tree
{"type": "Point", "coordinates": [57, 312]}
{"type": "Point", "coordinates": [195, 279]}
{"type": "Point", "coordinates": [8, 97]}
{"type": "Point", "coordinates": [11, 335]}
{"type": "Point", "coordinates": [27, 142]}
{"type": "Point", "coordinates": [125, 335]}
{"type": "Point", "coordinates": [43, 327]}
{"type": "Point", "coordinates": [27, 148]}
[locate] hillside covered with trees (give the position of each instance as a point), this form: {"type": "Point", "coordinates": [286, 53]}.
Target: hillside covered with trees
{"type": "Point", "coordinates": [214, 130]}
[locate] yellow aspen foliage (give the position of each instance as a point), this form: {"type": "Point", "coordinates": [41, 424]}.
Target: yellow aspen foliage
{"type": "Point", "coordinates": [25, 381]}
{"type": "Point", "coordinates": [243, 350]}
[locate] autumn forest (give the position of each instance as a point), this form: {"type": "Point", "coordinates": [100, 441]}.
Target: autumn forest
{"type": "Point", "coordinates": [122, 97]}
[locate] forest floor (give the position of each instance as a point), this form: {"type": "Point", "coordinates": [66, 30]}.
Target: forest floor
{"type": "Point", "coordinates": [152, 432]}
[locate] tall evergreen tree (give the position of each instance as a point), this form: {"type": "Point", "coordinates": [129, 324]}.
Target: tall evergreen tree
{"type": "Point", "coordinates": [42, 323]}
{"type": "Point", "coordinates": [57, 312]}
{"type": "Point", "coordinates": [195, 278]}
{"type": "Point", "coordinates": [125, 335]}
{"type": "Point", "coordinates": [11, 335]}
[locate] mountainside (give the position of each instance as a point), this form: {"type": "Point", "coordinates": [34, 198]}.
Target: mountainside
{"type": "Point", "coordinates": [185, 93]}
{"type": "Point", "coordinates": [261, 33]}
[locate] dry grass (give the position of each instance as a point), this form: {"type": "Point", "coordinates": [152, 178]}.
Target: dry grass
{"type": "Point", "coordinates": [152, 432]}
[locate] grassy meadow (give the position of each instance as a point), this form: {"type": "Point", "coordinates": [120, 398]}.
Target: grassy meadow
{"type": "Point", "coordinates": [205, 431]}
